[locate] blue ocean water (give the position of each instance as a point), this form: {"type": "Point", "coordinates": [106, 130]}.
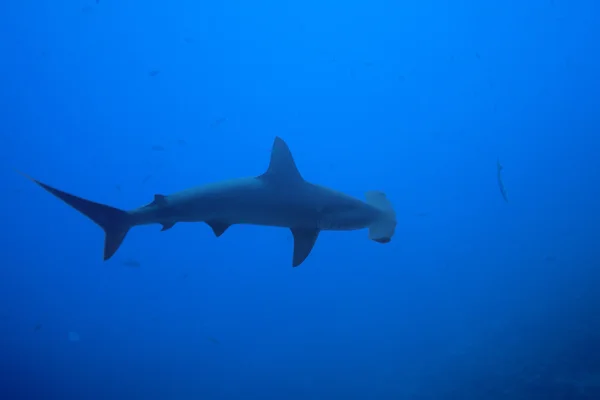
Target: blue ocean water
{"type": "Point", "coordinates": [474, 298]}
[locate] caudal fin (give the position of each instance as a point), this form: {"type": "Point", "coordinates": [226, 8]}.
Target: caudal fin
{"type": "Point", "coordinates": [382, 229]}
{"type": "Point", "coordinates": [116, 223]}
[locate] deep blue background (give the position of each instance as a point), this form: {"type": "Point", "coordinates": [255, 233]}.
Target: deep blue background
{"type": "Point", "coordinates": [474, 298]}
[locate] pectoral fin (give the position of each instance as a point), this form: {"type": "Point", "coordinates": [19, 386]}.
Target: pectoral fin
{"type": "Point", "coordinates": [304, 241]}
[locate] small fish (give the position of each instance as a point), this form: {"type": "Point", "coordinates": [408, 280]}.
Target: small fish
{"type": "Point", "coordinates": [74, 337]}
{"type": "Point", "coordinates": [146, 179]}
{"type": "Point", "coordinates": [131, 263]}
{"type": "Point", "coordinates": [97, 1]}
{"type": "Point", "coordinates": [188, 39]}
{"type": "Point", "coordinates": [218, 122]}
{"type": "Point", "coordinates": [499, 168]}
{"type": "Point", "coordinates": [118, 187]}
{"type": "Point", "coordinates": [158, 147]}
{"type": "Point", "coordinates": [213, 340]}
{"type": "Point", "coordinates": [154, 72]}
{"type": "Point", "coordinates": [477, 55]}
{"type": "Point", "coordinates": [38, 327]}
{"type": "Point", "coordinates": [181, 142]}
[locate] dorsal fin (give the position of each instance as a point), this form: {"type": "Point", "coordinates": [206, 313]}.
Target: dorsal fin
{"type": "Point", "coordinates": [282, 167]}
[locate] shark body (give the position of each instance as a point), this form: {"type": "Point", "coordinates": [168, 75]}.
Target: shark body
{"type": "Point", "coordinates": [499, 169]}
{"type": "Point", "coordinates": [280, 197]}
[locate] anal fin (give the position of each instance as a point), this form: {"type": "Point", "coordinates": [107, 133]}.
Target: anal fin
{"type": "Point", "coordinates": [218, 227]}
{"type": "Point", "coordinates": [304, 241]}
{"type": "Point", "coordinates": [166, 226]}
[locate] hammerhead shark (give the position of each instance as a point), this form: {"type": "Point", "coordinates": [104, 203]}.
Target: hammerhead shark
{"type": "Point", "coordinates": [280, 197]}
{"type": "Point", "coordinates": [499, 169]}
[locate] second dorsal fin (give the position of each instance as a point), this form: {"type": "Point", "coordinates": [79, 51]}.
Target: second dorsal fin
{"type": "Point", "coordinates": [160, 200]}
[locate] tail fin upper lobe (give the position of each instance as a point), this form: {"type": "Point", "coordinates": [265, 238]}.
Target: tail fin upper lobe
{"type": "Point", "coordinates": [116, 223]}
{"type": "Point", "coordinates": [383, 229]}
